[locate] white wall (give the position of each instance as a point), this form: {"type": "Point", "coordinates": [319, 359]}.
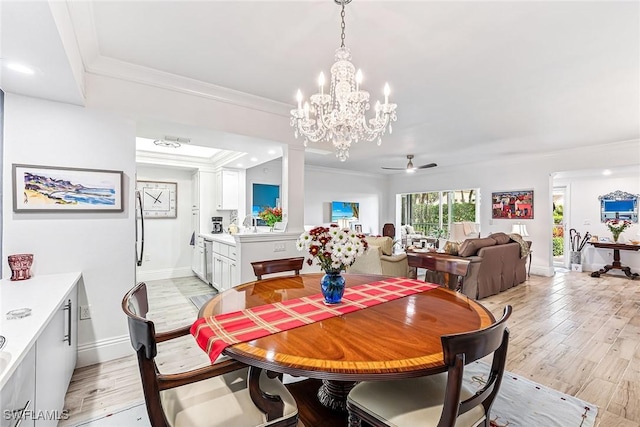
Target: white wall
{"type": "Point", "coordinates": [584, 215]}
{"type": "Point", "coordinates": [534, 172]}
{"type": "Point", "coordinates": [167, 252]}
{"type": "Point", "coordinates": [323, 185]}
{"type": "Point", "coordinates": [266, 173]}
{"type": "Point", "coordinates": [100, 245]}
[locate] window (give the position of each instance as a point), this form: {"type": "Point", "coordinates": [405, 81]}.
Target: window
{"type": "Point", "coordinates": [433, 211]}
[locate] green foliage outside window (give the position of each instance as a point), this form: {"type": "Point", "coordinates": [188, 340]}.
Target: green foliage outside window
{"type": "Point", "coordinates": [558, 246]}
{"type": "Point", "coordinates": [422, 210]}
{"type": "Point", "coordinates": [558, 213]}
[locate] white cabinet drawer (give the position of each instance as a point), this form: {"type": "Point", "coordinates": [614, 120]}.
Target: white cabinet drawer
{"type": "Point", "coordinates": [232, 252]}
{"type": "Point", "coordinates": [18, 394]}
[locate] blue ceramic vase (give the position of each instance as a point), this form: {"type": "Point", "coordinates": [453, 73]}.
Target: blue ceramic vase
{"type": "Point", "coordinates": [332, 285]}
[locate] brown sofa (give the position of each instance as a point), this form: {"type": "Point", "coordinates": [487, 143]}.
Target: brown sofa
{"type": "Point", "coordinates": [497, 264]}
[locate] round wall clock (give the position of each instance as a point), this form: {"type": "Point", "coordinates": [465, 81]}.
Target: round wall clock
{"type": "Point", "coordinates": [159, 199]}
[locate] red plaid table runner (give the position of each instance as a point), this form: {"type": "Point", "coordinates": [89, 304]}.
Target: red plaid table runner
{"type": "Point", "coordinates": [213, 334]}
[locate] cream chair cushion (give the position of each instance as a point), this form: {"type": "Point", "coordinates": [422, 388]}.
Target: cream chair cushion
{"type": "Point", "coordinates": [222, 401]}
{"type": "Point", "coordinates": [385, 244]}
{"type": "Point", "coordinates": [411, 402]}
{"type": "Point", "coordinates": [367, 263]}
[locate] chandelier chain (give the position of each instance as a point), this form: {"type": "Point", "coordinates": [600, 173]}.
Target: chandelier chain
{"type": "Point", "coordinates": [342, 25]}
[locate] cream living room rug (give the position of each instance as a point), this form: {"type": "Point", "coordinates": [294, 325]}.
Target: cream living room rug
{"type": "Point", "coordinates": [520, 403]}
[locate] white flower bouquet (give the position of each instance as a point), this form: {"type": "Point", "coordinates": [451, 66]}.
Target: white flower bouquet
{"type": "Point", "coordinates": [333, 248]}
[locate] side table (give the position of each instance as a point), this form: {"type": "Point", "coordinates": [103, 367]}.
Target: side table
{"type": "Point", "coordinates": [617, 247]}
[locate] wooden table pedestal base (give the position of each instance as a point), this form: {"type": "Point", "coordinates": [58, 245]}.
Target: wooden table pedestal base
{"type": "Point", "coordinates": [333, 394]}
{"type": "Point", "coordinates": [616, 265]}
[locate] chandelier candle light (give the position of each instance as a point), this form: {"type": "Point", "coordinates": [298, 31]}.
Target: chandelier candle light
{"type": "Point", "coordinates": [339, 116]}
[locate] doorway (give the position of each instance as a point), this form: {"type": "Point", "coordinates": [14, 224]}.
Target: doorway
{"type": "Point", "coordinates": [560, 215]}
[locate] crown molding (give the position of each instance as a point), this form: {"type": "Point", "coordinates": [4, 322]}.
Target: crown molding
{"type": "Point", "coordinates": [211, 164]}
{"type": "Point", "coordinates": [83, 22]}
{"type": "Point", "coordinates": [109, 67]}
{"type": "Point", "coordinates": [325, 169]}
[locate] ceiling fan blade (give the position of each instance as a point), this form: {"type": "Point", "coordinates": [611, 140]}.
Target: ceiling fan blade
{"type": "Point", "coordinates": [427, 166]}
{"type": "Point", "coordinates": [393, 169]}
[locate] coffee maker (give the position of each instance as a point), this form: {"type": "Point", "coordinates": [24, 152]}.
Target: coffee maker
{"type": "Point", "coordinates": [216, 224]}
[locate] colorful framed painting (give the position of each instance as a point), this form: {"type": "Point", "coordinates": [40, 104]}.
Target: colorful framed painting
{"type": "Point", "coordinates": [62, 189]}
{"type": "Point", "coordinates": [512, 205]}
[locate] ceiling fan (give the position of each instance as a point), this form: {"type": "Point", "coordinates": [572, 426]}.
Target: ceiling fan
{"type": "Point", "coordinates": [410, 168]}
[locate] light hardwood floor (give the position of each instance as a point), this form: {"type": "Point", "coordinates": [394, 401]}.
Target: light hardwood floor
{"type": "Point", "coordinates": [571, 332]}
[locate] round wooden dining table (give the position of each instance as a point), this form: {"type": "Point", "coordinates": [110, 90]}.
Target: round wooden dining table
{"type": "Point", "coordinates": [395, 339]}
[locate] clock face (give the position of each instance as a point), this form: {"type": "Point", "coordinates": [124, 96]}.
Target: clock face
{"type": "Point", "coordinates": [159, 199]}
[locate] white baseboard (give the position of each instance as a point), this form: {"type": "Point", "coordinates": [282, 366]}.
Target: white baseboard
{"type": "Point", "coordinates": [166, 273]}
{"type": "Point", "coordinates": [542, 271]}
{"type": "Point", "coordinates": [104, 350]}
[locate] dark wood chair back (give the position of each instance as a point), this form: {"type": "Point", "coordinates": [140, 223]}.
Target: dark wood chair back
{"type": "Point", "coordinates": [462, 349]}
{"type": "Point", "coordinates": [144, 340]}
{"type": "Point", "coordinates": [389, 230]}
{"type": "Point", "coordinates": [261, 268]}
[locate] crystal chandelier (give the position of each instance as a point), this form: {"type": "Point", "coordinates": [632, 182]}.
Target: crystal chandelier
{"type": "Point", "coordinates": [340, 115]}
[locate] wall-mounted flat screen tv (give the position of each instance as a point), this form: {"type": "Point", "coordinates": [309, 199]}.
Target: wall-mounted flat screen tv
{"type": "Point", "coordinates": [345, 210]}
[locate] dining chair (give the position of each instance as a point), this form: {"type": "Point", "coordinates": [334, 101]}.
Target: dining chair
{"type": "Point", "coordinates": [226, 393]}
{"type": "Point", "coordinates": [440, 400]}
{"type": "Point", "coordinates": [261, 268]}
{"type": "Point", "coordinates": [389, 230]}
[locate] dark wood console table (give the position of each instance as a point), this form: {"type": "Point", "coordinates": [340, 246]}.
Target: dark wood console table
{"type": "Point", "coordinates": [617, 247]}
{"type": "Point", "coordinates": [442, 262]}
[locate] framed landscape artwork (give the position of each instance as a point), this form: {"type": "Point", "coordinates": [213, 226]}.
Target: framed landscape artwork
{"type": "Point", "coordinates": [512, 205]}
{"type": "Point", "coordinates": [62, 189]}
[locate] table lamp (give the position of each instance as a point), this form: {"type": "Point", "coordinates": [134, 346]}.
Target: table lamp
{"type": "Point", "coordinates": [520, 229]}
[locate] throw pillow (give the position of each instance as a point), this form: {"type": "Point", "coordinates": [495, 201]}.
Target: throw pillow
{"type": "Point", "coordinates": [452, 248]}
{"type": "Point", "coordinates": [471, 246]}
{"type": "Point", "coordinates": [385, 244]}
{"type": "Point", "coordinates": [500, 238]}
{"type": "Point", "coordinates": [410, 229]}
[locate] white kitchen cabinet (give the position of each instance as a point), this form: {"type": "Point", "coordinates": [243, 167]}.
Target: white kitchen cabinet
{"type": "Point", "coordinates": [41, 349]}
{"type": "Point", "coordinates": [18, 395]}
{"type": "Point", "coordinates": [195, 190]}
{"type": "Point", "coordinates": [198, 261]}
{"type": "Point", "coordinates": [197, 254]}
{"type": "Point", "coordinates": [227, 189]}
{"type": "Point", "coordinates": [56, 354]}
{"type": "Point", "coordinates": [203, 199]}
{"type": "Point", "coordinates": [225, 274]}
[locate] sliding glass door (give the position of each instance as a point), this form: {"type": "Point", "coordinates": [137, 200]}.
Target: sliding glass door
{"type": "Point", "coordinates": [431, 213]}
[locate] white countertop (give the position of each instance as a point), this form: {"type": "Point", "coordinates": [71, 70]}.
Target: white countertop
{"type": "Point", "coordinates": [43, 295]}
{"type": "Point", "coordinates": [263, 234]}
{"type": "Point", "coordinates": [220, 237]}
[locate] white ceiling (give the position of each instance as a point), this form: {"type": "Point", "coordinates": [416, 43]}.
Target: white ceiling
{"type": "Point", "coordinates": [472, 80]}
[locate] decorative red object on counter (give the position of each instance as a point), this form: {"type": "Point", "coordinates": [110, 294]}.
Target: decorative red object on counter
{"type": "Point", "coordinates": [20, 265]}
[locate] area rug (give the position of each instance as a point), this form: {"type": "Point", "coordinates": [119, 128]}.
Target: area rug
{"type": "Point", "coordinates": [523, 403]}
{"type": "Point", "coordinates": [200, 300]}
{"type": "Point", "coordinates": [520, 403]}
{"type": "Point", "coordinates": [134, 416]}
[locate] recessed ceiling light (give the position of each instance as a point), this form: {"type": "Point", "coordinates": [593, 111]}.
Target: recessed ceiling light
{"type": "Point", "coordinates": [239, 165]}
{"type": "Point", "coordinates": [146, 144]}
{"type": "Point", "coordinates": [254, 159]}
{"type": "Point", "coordinates": [20, 68]}
{"type": "Point", "coordinates": [606, 172]}
{"type": "Point", "coordinates": [271, 151]}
